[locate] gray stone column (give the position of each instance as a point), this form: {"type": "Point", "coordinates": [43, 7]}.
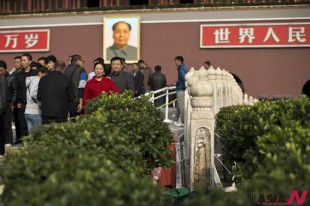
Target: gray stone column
{"type": "Point", "coordinates": [201, 129]}
{"type": "Point", "coordinates": [191, 77]}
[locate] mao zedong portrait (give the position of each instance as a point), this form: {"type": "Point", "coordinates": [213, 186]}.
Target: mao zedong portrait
{"type": "Point", "coordinates": [120, 47]}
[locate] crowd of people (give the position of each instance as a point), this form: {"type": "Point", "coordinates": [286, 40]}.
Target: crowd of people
{"type": "Point", "coordinates": [47, 90]}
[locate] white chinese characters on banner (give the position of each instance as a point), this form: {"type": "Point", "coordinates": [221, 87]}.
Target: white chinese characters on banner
{"type": "Point", "coordinates": [246, 33]}
{"type": "Point", "coordinates": [31, 40]}
{"type": "Point", "coordinates": [11, 41]}
{"type": "Point", "coordinates": [271, 33]}
{"type": "Point", "coordinates": [296, 33]}
{"type": "Point", "coordinates": [34, 40]}
{"type": "Point", "coordinates": [222, 35]}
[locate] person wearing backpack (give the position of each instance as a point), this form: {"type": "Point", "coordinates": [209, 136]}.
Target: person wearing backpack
{"type": "Point", "coordinates": [76, 72]}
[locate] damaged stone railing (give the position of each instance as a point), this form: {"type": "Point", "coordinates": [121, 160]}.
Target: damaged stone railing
{"type": "Point", "coordinates": [207, 91]}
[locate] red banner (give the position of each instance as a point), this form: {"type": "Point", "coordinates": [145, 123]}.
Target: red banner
{"type": "Point", "coordinates": [24, 40]}
{"type": "Point", "coordinates": [255, 35]}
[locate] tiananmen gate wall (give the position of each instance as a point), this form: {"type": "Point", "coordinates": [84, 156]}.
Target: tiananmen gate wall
{"type": "Point", "coordinates": [166, 34]}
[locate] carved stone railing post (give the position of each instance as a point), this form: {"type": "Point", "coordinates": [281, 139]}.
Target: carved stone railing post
{"type": "Point", "coordinates": [191, 77]}
{"type": "Point", "coordinates": [239, 94]}
{"type": "Point", "coordinates": [251, 100]}
{"type": "Point", "coordinates": [219, 89]}
{"type": "Point", "coordinates": [234, 93]}
{"type": "Point", "coordinates": [245, 99]}
{"type": "Point", "coordinates": [255, 100]}
{"type": "Point", "coordinates": [224, 86]}
{"type": "Point", "coordinates": [206, 92]}
{"type": "Point", "coordinates": [212, 79]}
{"type": "Point", "coordinates": [231, 91]}
{"type": "Point", "coordinates": [228, 90]}
{"type": "Point", "coordinates": [240, 97]}
{"type": "Point", "coordinates": [187, 105]}
{"type": "Point", "coordinates": [201, 130]}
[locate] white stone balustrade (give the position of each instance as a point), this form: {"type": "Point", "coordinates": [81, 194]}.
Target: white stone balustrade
{"type": "Point", "coordinates": [201, 129]}
{"type": "Point", "coordinates": [207, 92]}
{"type": "Point", "coordinates": [251, 101]}
{"type": "Point", "coordinates": [211, 76]}
{"type": "Point", "coordinates": [245, 99]}
{"type": "Point", "coordinates": [219, 89]}
{"type": "Point", "coordinates": [224, 82]}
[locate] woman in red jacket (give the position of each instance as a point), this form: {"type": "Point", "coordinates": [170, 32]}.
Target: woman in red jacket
{"type": "Point", "coordinates": [98, 84]}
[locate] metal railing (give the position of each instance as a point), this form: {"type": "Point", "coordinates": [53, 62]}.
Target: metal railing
{"type": "Point", "coordinates": [230, 171]}
{"type": "Point", "coordinates": [217, 156]}
{"type": "Point", "coordinates": [164, 92]}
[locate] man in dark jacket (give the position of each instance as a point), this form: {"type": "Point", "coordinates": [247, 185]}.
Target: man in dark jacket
{"type": "Point", "coordinates": [157, 81]}
{"type": "Point", "coordinates": [78, 76]}
{"type": "Point", "coordinates": [138, 78]}
{"type": "Point", "coordinates": [3, 101]}
{"type": "Point", "coordinates": [123, 80]}
{"type": "Point", "coordinates": [146, 71]}
{"type": "Point", "coordinates": [26, 71]}
{"type": "Point", "coordinates": [17, 68]}
{"type": "Point", "coordinates": [55, 92]}
{"type": "Point", "coordinates": [11, 99]}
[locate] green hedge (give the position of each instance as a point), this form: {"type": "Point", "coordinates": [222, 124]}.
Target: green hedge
{"type": "Point", "coordinates": [271, 144]}
{"type": "Point", "coordinates": [117, 122]}
{"type": "Point", "coordinates": [141, 122]}
{"type": "Point", "coordinates": [104, 158]}
{"type": "Point", "coordinates": [286, 152]}
{"type": "Point", "coordinates": [64, 176]}
{"type": "Point", "coordinates": [92, 133]}
{"type": "Point", "coordinates": [245, 126]}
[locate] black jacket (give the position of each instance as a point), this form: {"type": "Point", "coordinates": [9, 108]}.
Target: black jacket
{"type": "Point", "coordinates": [21, 85]}
{"type": "Point", "coordinates": [73, 72]}
{"type": "Point", "coordinates": [3, 93]}
{"type": "Point", "coordinates": [12, 88]}
{"type": "Point", "coordinates": [139, 78]}
{"type": "Point", "coordinates": [55, 92]}
{"type": "Point", "coordinates": [157, 81]}
{"type": "Point", "coordinates": [123, 81]}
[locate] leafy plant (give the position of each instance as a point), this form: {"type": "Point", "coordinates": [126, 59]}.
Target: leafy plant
{"type": "Point", "coordinates": [105, 157]}
{"type": "Point", "coordinates": [64, 176]}
{"type": "Point", "coordinates": [93, 133]}
{"type": "Point", "coordinates": [246, 126]}
{"type": "Point", "coordinates": [141, 122]}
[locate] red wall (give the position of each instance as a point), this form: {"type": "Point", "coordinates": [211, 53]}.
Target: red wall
{"type": "Point", "coordinates": [269, 71]}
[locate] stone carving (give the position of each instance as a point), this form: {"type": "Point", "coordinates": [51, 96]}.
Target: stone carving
{"type": "Point", "coordinates": [202, 156]}
{"type": "Point", "coordinates": [218, 93]}
{"type": "Point", "coordinates": [201, 97]}
{"type": "Point", "coordinates": [201, 127]}
{"type": "Point", "coordinates": [208, 91]}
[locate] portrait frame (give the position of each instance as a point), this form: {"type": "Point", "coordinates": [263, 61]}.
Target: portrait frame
{"type": "Point", "coordinates": [132, 50]}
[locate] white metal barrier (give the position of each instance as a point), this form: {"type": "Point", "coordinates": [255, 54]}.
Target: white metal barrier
{"type": "Point", "coordinates": [166, 92]}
